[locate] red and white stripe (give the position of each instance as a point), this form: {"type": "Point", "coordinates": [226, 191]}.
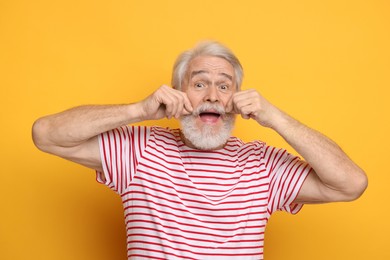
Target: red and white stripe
{"type": "Point", "coordinates": [182, 203]}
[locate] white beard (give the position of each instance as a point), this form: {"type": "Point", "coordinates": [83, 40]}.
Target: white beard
{"type": "Point", "coordinates": [207, 137]}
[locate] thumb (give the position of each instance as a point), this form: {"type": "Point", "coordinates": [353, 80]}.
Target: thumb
{"type": "Point", "coordinates": [230, 107]}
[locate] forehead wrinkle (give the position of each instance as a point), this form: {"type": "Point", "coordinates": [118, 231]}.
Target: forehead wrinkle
{"type": "Point", "coordinates": [209, 66]}
{"type": "Point", "coordinates": [199, 72]}
{"type": "Point", "coordinates": [230, 77]}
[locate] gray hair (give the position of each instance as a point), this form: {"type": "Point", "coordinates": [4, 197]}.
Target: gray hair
{"type": "Point", "coordinates": [205, 48]}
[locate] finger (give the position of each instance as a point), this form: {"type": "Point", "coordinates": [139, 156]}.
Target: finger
{"type": "Point", "coordinates": [230, 106]}
{"type": "Point", "coordinates": [240, 105]}
{"type": "Point", "coordinates": [176, 102]}
{"type": "Point", "coordinates": [169, 107]}
{"type": "Point", "coordinates": [186, 108]}
{"type": "Point", "coordinates": [239, 100]}
{"type": "Point", "coordinates": [179, 106]}
{"type": "Point", "coordinates": [245, 112]}
{"type": "Point", "coordinates": [182, 103]}
{"type": "Point", "coordinates": [173, 101]}
{"type": "Point", "coordinates": [176, 105]}
{"type": "Point", "coordinates": [245, 116]}
{"type": "Point", "coordinates": [187, 104]}
{"type": "Point", "coordinates": [184, 112]}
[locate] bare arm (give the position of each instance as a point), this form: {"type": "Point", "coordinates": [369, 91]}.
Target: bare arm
{"type": "Point", "coordinates": [335, 177]}
{"type": "Point", "coordinates": [72, 134]}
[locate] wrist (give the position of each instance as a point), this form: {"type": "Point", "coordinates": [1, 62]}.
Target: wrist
{"type": "Point", "coordinates": [135, 113]}
{"type": "Point", "coordinates": [280, 121]}
{"type": "Point", "coordinates": [272, 118]}
{"type": "Point", "coordinates": [286, 126]}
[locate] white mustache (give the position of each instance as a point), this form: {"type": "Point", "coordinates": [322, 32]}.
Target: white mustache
{"type": "Point", "coordinates": [208, 107]}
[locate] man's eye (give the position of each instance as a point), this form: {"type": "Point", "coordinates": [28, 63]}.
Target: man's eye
{"type": "Point", "coordinates": [224, 87]}
{"type": "Point", "coordinates": [199, 85]}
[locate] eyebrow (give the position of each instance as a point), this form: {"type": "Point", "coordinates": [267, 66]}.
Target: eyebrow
{"type": "Point", "coordinates": [197, 72]}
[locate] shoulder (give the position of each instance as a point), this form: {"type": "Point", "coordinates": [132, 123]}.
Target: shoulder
{"type": "Point", "coordinates": [163, 131]}
{"type": "Point", "coordinates": [246, 149]}
{"type": "Point", "coordinates": [164, 134]}
{"type": "Point", "coordinates": [240, 145]}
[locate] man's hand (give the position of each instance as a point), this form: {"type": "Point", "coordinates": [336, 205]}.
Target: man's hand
{"type": "Point", "coordinates": [250, 104]}
{"type": "Point", "coordinates": [165, 102]}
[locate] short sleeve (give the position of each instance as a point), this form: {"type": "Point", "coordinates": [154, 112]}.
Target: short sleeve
{"type": "Point", "coordinates": [120, 151]}
{"type": "Point", "coordinates": [287, 174]}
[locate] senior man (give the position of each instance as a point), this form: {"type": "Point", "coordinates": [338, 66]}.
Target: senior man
{"type": "Point", "coordinates": [197, 192]}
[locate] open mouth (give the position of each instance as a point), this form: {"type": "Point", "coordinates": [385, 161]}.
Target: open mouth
{"type": "Point", "coordinates": [209, 117]}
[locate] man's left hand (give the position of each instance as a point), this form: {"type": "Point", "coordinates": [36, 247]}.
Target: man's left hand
{"type": "Point", "coordinates": [251, 104]}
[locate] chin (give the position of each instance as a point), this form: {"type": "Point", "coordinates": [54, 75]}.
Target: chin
{"type": "Point", "coordinates": [206, 136]}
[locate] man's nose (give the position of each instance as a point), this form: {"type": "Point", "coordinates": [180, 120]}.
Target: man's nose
{"type": "Point", "coordinates": [212, 94]}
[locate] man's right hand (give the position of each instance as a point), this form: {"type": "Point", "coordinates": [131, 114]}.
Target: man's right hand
{"type": "Point", "coordinates": [165, 102]}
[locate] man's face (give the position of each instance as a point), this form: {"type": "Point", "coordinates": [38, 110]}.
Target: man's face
{"type": "Point", "coordinates": [209, 85]}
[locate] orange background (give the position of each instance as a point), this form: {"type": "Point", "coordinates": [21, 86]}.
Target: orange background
{"type": "Point", "coordinates": [325, 62]}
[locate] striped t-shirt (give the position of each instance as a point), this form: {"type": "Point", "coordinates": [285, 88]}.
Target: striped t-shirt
{"type": "Point", "coordinates": [183, 203]}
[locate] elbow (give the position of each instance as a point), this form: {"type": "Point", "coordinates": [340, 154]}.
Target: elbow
{"type": "Point", "coordinates": [40, 134]}
{"type": "Point", "coordinates": [357, 186]}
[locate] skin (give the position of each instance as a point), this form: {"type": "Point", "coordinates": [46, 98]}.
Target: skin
{"type": "Point", "coordinates": [72, 134]}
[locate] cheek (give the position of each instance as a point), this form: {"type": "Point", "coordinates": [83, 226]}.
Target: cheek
{"type": "Point", "coordinates": [226, 99]}
{"type": "Point", "coordinates": [195, 99]}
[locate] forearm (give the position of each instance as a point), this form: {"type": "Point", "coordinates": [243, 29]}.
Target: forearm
{"type": "Point", "coordinates": [335, 176]}
{"type": "Point", "coordinates": [76, 125]}
{"type": "Point", "coordinates": [332, 166]}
